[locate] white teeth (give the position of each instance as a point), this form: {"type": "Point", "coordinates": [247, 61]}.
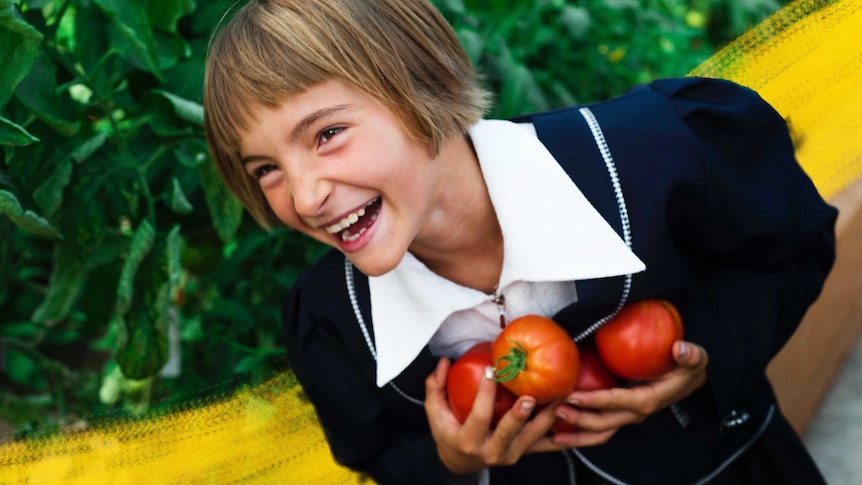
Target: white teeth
{"type": "Point", "coordinates": [348, 220]}
{"type": "Point", "coordinates": [347, 237]}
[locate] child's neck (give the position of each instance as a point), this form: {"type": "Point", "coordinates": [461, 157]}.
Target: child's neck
{"type": "Point", "coordinates": [462, 240]}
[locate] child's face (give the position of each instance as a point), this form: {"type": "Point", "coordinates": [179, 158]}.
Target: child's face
{"type": "Point", "coordinates": [334, 164]}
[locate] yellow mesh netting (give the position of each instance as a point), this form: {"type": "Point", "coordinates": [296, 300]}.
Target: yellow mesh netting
{"type": "Point", "coordinates": [806, 60]}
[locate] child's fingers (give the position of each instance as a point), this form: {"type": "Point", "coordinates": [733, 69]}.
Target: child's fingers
{"type": "Point", "coordinates": [597, 421]}
{"type": "Point", "coordinates": [517, 433]}
{"type": "Point", "coordinates": [580, 439]}
{"type": "Point", "coordinates": [482, 412]}
{"type": "Point", "coordinates": [512, 422]}
{"type": "Point", "coordinates": [690, 355]}
{"type": "Point", "coordinates": [436, 403]}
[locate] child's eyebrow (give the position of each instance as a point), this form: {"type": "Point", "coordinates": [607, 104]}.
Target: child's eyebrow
{"type": "Point", "coordinates": [315, 116]}
{"type": "Point", "coordinates": [303, 125]}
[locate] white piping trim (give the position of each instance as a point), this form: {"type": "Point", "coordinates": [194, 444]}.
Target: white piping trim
{"type": "Point", "coordinates": [742, 449]}
{"type": "Point", "coordinates": [354, 302]}
{"type": "Point", "coordinates": [573, 480]}
{"type": "Point", "coordinates": [602, 144]}
{"type": "Point", "coordinates": [351, 292]}
{"type": "Point", "coordinates": [599, 137]}
{"type": "Point", "coordinates": [681, 416]}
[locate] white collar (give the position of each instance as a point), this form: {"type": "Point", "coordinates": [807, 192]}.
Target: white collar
{"type": "Point", "coordinates": [550, 233]}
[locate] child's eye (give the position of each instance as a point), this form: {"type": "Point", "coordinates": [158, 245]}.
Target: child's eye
{"type": "Point", "coordinates": [262, 170]}
{"type": "Point", "coordinates": [328, 134]}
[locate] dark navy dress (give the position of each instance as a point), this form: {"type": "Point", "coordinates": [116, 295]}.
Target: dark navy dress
{"type": "Point", "coordinates": [699, 176]}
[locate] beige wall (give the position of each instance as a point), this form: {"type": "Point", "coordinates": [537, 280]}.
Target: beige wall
{"type": "Point", "coordinates": [804, 370]}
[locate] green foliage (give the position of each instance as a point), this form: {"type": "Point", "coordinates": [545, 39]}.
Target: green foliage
{"type": "Point", "coordinates": [118, 240]}
{"type": "Point", "coordinates": [545, 54]}
{"type": "Point", "coordinates": [129, 276]}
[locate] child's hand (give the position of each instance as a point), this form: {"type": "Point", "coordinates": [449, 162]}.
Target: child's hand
{"type": "Point", "coordinates": [473, 446]}
{"type": "Point", "coordinates": [599, 414]}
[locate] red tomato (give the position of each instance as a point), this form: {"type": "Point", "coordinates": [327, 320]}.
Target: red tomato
{"type": "Point", "coordinates": [592, 377]}
{"type": "Point", "coordinates": [535, 356]}
{"type": "Point", "coordinates": [637, 344]}
{"type": "Point", "coordinates": [462, 384]}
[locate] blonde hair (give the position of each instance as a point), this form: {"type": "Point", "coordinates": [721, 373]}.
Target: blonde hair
{"type": "Point", "coordinates": [401, 52]}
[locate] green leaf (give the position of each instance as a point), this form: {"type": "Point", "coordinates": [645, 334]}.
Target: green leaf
{"type": "Point", "coordinates": [165, 15]}
{"type": "Point", "coordinates": [191, 152]}
{"type": "Point", "coordinates": [97, 294]}
{"type": "Point", "coordinates": [38, 92]}
{"type": "Point", "coordinates": [95, 54]}
{"type": "Point", "coordinates": [170, 48]}
{"type": "Point", "coordinates": [179, 203]}
{"type": "Point", "coordinates": [143, 347]}
{"type": "Point", "coordinates": [231, 311]}
{"type": "Point", "coordinates": [25, 219]}
{"type": "Point", "coordinates": [89, 147]}
{"type": "Point", "coordinates": [174, 265]}
{"type": "Point", "coordinates": [172, 115]}
{"type": "Point", "coordinates": [142, 243]}
{"type": "Point", "coordinates": [225, 210]}
{"type": "Point", "coordinates": [454, 6]}
{"type": "Point", "coordinates": [12, 134]}
{"type": "Point", "coordinates": [131, 22]}
{"type": "Point", "coordinates": [49, 194]}
{"type": "Point", "coordinates": [473, 44]}
{"type": "Point", "coordinates": [19, 46]}
{"type": "Point", "coordinates": [64, 286]}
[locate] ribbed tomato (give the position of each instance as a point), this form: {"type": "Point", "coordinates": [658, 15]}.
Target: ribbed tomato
{"type": "Point", "coordinates": [637, 344]}
{"type": "Point", "coordinates": [462, 384]}
{"type": "Point", "coordinates": [593, 376]}
{"type": "Point", "coordinates": [535, 356]}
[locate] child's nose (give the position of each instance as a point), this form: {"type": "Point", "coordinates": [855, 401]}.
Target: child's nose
{"type": "Point", "coordinates": [310, 192]}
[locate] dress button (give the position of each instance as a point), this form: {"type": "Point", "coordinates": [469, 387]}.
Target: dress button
{"type": "Point", "coordinates": [735, 418]}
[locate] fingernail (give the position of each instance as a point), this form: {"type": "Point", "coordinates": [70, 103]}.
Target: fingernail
{"type": "Point", "coordinates": [683, 350]}
{"type": "Point", "coordinates": [527, 405]}
{"type": "Point", "coordinates": [573, 400]}
{"type": "Point", "coordinates": [489, 372]}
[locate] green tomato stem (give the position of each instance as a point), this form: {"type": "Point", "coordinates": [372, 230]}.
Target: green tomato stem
{"type": "Point", "coordinates": [516, 361]}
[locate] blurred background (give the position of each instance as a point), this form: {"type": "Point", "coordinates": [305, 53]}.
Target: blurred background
{"type": "Point", "coordinates": [129, 278]}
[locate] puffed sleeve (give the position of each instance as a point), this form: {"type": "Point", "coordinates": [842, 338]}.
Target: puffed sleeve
{"type": "Point", "coordinates": [765, 232]}
{"type": "Point", "coordinates": [361, 433]}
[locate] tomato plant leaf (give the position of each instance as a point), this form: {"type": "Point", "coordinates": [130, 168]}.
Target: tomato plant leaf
{"type": "Point", "coordinates": [64, 286]}
{"type": "Point", "coordinates": [186, 110]}
{"type": "Point", "coordinates": [38, 92]}
{"type": "Point", "coordinates": [142, 242]}
{"type": "Point", "coordinates": [19, 47]}
{"type": "Point", "coordinates": [130, 20]}
{"type": "Point", "coordinates": [165, 15]}
{"type": "Point", "coordinates": [171, 115]}
{"type": "Point", "coordinates": [178, 201]}
{"type": "Point", "coordinates": [174, 264]}
{"type": "Point", "coordinates": [12, 134]}
{"type": "Point", "coordinates": [143, 348]}
{"type": "Point", "coordinates": [50, 193]}
{"type": "Point", "coordinates": [25, 218]}
{"type": "Point", "coordinates": [86, 149]}
{"type": "Point", "coordinates": [225, 210]}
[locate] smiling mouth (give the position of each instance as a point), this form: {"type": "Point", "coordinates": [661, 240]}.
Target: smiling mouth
{"type": "Point", "coordinates": [351, 226]}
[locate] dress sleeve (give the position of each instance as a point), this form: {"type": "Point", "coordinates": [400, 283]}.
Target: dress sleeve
{"type": "Point", "coordinates": [764, 231]}
{"type": "Point", "coordinates": [361, 433]}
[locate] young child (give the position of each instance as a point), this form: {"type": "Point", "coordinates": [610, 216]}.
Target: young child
{"type": "Point", "coordinates": [358, 123]}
